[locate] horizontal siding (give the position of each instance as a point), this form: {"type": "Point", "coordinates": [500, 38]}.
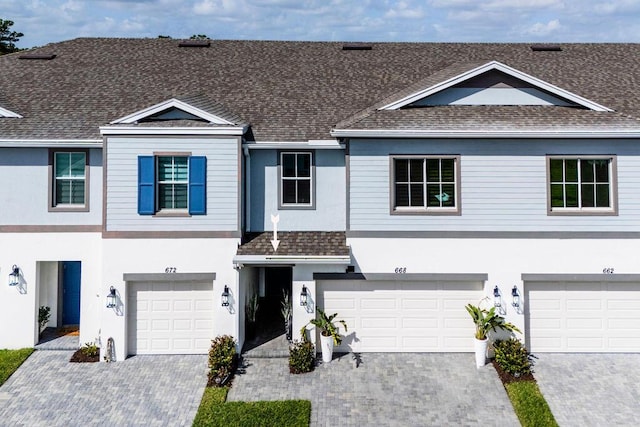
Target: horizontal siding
{"type": "Point", "coordinates": [503, 186]}
{"type": "Point", "coordinates": [330, 192]}
{"type": "Point", "coordinates": [24, 174]}
{"type": "Point", "coordinates": [222, 184]}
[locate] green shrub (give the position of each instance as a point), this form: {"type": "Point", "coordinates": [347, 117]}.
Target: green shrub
{"type": "Point", "coordinates": [301, 357]}
{"type": "Point", "coordinates": [223, 359]}
{"type": "Point", "coordinates": [90, 350]}
{"type": "Point", "coordinates": [513, 357]}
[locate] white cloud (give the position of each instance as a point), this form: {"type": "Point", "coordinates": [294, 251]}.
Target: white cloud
{"type": "Point", "coordinates": [376, 20]}
{"type": "Point", "coordinates": [540, 29]}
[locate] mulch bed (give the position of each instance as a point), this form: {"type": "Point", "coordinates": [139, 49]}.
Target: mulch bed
{"type": "Point", "coordinates": [80, 357]}
{"type": "Point", "coordinates": [506, 377]}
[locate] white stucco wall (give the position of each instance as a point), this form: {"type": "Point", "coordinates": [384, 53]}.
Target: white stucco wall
{"type": "Point", "coordinates": [19, 304]}
{"type": "Point", "coordinates": [122, 256]}
{"type": "Point", "coordinates": [503, 260]}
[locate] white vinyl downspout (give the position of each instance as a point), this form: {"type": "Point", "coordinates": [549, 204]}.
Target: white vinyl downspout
{"type": "Point", "coordinates": [247, 195]}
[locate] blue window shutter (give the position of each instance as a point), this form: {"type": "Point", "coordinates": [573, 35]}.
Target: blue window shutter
{"type": "Point", "coordinates": [197, 185]}
{"type": "Point", "coordinates": [146, 185]}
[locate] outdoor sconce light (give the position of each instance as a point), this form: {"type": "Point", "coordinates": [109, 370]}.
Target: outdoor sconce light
{"type": "Point", "coordinates": [111, 297]}
{"type": "Point", "coordinates": [303, 296]}
{"type": "Point", "coordinates": [225, 296]}
{"type": "Point", "coordinates": [14, 276]}
{"type": "Point", "coordinates": [496, 297]}
{"type": "Point", "coordinates": [516, 297]}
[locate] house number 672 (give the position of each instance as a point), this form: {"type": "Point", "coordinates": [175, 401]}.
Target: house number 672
{"type": "Point", "coordinates": [170, 270]}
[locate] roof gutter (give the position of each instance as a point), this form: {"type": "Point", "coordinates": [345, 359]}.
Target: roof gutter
{"type": "Point", "coordinates": [240, 260]}
{"type": "Point", "coordinates": [514, 134]}
{"type": "Point", "coordinates": [46, 143]}
{"type": "Point", "coordinates": [141, 130]}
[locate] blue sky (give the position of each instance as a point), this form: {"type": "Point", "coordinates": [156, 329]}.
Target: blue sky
{"type": "Point", "coordinates": [45, 21]}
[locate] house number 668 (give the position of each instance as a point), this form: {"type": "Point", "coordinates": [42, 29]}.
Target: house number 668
{"type": "Point", "coordinates": [401, 270]}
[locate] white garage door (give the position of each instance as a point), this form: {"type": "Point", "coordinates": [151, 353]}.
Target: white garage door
{"type": "Point", "coordinates": [583, 317]}
{"type": "Point", "coordinates": [169, 318]}
{"type": "Point", "coordinates": [402, 316]}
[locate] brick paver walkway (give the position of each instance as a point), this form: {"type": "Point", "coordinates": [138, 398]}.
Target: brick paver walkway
{"type": "Point", "coordinates": [387, 389]}
{"type": "Point", "coordinates": [47, 390]}
{"type": "Point", "coordinates": [591, 389]}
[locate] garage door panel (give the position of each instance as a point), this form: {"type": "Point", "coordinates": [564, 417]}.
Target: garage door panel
{"type": "Point", "coordinates": [420, 323]}
{"type": "Point", "coordinates": [402, 316]}
{"type": "Point", "coordinates": [419, 304]}
{"type": "Point", "coordinates": [587, 317]}
{"type": "Point", "coordinates": [169, 318]}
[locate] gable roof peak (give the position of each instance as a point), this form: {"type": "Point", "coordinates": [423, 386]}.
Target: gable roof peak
{"type": "Point", "coordinates": [488, 67]}
{"type": "Point", "coordinates": [198, 106]}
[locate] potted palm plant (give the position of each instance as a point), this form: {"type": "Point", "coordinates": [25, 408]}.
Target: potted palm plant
{"type": "Point", "coordinates": [329, 334]}
{"type": "Point", "coordinates": [486, 321]}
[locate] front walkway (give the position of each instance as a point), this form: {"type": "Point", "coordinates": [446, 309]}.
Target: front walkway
{"type": "Point", "coordinates": [590, 389]}
{"type": "Point", "coordinates": [48, 390]}
{"type": "Point", "coordinates": [390, 389]}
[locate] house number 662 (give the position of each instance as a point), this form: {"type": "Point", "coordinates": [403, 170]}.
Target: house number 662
{"type": "Point", "coordinates": [607, 270]}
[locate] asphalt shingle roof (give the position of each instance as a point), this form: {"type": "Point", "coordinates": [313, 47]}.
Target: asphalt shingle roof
{"type": "Point", "coordinates": [290, 91]}
{"type": "Point", "coordinates": [296, 243]}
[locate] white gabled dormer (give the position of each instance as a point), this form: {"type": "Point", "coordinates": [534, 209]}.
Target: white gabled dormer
{"type": "Point", "coordinates": [172, 109]}
{"type": "Point", "coordinates": [493, 83]}
{"type": "Point", "coordinates": [4, 113]}
{"type": "Point", "coordinates": [213, 118]}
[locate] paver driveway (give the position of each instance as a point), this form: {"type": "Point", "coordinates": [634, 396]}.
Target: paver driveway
{"type": "Point", "coordinates": [388, 389]}
{"type": "Point", "coordinates": [591, 389]}
{"type": "Point", "coordinates": [47, 390]}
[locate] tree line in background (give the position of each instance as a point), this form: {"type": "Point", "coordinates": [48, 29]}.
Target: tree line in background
{"type": "Point", "coordinates": [8, 38]}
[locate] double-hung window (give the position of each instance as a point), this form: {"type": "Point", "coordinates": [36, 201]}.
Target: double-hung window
{"type": "Point", "coordinates": [582, 185]}
{"type": "Point", "coordinates": [296, 180]}
{"type": "Point", "coordinates": [172, 183]}
{"type": "Point", "coordinates": [425, 184]}
{"type": "Point", "coordinates": [69, 186]}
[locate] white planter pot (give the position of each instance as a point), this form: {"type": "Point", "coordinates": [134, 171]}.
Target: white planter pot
{"type": "Point", "coordinates": [481, 352]}
{"type": "Point", "coordinates": [326, 343]}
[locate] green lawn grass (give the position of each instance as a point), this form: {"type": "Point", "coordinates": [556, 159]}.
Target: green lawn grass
{"type": "Point", "coordinates": [530, 406]}
{"type": "Point", "coordinates": [215, 411]}
{"type": "Point", "coordinates": [10, 360]}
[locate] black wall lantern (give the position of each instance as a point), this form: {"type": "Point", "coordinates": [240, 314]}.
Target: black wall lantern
{"type": "Point", "coordinates": [304, 295]}
{"type": "Point", "coordinates": [112, 298]}
{"type": "Point", "coordinates": [225, 296]}
{"type": "Point", "coordinates": [516, 297]}
{"type": "Point", "coordinates": [14, 276]}
{"type": "Point", "coordinates": [496, 297]}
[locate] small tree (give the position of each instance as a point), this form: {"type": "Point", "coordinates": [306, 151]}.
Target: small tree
{"type": "Point", "coordinates": [8, 38]}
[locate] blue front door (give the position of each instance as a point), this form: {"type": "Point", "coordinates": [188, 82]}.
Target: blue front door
{"type": "Point", "coordinates": [71, 271]}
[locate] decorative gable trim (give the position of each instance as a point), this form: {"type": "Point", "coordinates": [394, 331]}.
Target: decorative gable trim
{"type": "Point", "coordinates": [9, 114]}
{"type": "Point", "coordinates": [167, 105]}
{"type": "Point", "coordinates": [495, 65]}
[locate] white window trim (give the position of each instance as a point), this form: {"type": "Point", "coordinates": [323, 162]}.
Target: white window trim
{"type": "Point", "coordinates": [160, 210]}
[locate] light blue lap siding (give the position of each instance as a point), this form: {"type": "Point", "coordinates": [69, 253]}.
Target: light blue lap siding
{"type": "Point", "coordinates": [503, 185]}
{"type": "Point", "coordinates": [329, 213]}
{"type": "Point", "coordinates": [24, 190]}
{"type": "Point", "coordinates": [221, 211]}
